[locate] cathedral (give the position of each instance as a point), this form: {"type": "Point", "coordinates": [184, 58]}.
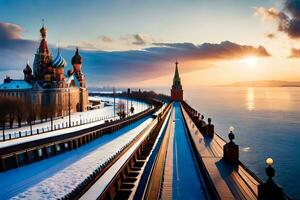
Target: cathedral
{"type": "Point", "coordinates": [176, 91]}
{"type": "Point", "coordinates": [47, 84]}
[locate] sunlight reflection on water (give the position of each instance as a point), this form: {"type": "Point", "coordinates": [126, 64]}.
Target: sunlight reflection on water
{"type": "Point", "coordinates": [250, 99]}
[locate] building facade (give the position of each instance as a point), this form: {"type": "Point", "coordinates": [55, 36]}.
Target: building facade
{"type": "Point", "coordinates": [176, 91]}
{"type": "Point", "coordinates": [46, 85]}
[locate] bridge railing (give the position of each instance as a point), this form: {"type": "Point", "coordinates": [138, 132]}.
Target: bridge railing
{"type": "Point", "coordinates": [55, 127]}
{"type": "Point", "coordinates": [262, 190]}
{"type": "Point", "coordinates": [111, 190]}
{"type": "Point", "coordinates": [20, 154]}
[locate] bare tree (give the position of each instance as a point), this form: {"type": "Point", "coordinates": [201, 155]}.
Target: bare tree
{"type": "Point", "coordinates": [3, 114]}
{"type": "Point", "coordinates": [32, 111]}
{"type": "Point", "coordinates": [21, 110]}
{"type": "Point", "coordinates": [11, 109]}
{"type": "Point", "coordinates": [121, 109]}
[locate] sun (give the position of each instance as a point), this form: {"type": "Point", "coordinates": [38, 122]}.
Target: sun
{"type": "Point", "coordinates": [250, 61]}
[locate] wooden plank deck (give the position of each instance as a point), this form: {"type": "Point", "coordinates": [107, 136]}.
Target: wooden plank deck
{"type": "Point", "coordinates": [230, 182]}
{"type": "Point", "coordinates": [155, 183]}
{"type": "Point", "coordinates": [168, 168]}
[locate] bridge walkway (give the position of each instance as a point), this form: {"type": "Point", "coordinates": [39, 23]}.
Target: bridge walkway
{"type": "Point", "coordinates": [230, 182]}
{"type": "Point", "coordinates": [182, 178]}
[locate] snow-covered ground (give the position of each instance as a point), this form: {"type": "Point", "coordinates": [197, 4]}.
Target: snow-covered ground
{"type": "Point", "coordinates": [104, 180]}
{"type": "Point", "coordinates": [55, 177]}
{"type": "Point", "coordinates": [76, 118]}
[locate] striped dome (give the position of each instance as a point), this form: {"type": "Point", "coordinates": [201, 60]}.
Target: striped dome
{"type": "Point", "coordinates": [59, 61]}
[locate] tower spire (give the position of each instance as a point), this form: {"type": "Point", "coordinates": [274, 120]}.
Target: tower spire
{"type": "Point", "coordinates": [57, 45]}
{"type": "Point", "coordinates": [43, 57]}
{"type": "Point", "coordinates": [176, 91]}
{"type": "Point", "coordinates": [176, 75]}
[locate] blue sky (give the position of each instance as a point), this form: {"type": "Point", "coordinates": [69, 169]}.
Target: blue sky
{"type": "Point", "coordinates": [123, 38]}
{"type": "Point", "coordinates": [169, 20]}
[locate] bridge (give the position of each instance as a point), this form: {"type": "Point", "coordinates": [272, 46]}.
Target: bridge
{"type": "Point", "coordinates": [164, 152]}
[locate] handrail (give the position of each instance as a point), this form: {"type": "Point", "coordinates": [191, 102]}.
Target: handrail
{"type": "Point", "coordinates": [153, 126]}
{"type": "Point", "coordinates": [212, 191]}
{"type": "Point", "coordinates": [240, 166]}
{"type": "Point", "coordinates": [149, 192]}
{"type": "Point", "coordinates": [86, 185]}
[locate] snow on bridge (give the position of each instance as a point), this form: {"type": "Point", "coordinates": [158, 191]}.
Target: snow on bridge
{"type": "Point", "coordinates": [57, 176]}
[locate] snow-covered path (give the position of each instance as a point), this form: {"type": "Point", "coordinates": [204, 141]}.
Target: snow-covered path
{"type": "Point", "coordinates": [54, 177]}
{"type": "Point", "coordinates": [91, 115]}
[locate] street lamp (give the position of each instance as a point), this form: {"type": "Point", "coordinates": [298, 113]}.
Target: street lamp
{"type": "Point", "coordinates": [114, 94]}
{"type": "Point", "coordinates": [69, 99]}
{"type": "Point", "coordinates": [69, 105]}
{"type": "Point", "coordinates": [128, 92]}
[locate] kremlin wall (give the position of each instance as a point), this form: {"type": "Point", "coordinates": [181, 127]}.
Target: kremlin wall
{"type": "Point", "coordinates": [48, 85]}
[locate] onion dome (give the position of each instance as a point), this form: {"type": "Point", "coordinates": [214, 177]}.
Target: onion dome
{"type": "Point", "coordinates": [59, 61]}
{"type": "Point", "coordinates": [27, 69]}
{"type": "Point", "coordinates": [77, 59]}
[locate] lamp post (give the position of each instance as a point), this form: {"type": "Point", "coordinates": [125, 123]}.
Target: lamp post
{"type": "Point", "coordinates": [230, 149]}
{"type": "Point", "coordinates": [69, 105]}
{"type": "Point", "coordinates": [114, 94]}
{"type": "Point", "coordinates": [71, 77]}
{"type": "Point", "coordinates": [269, 189]}
{"type": "Point", "coordinates": [128, 92]}
{"type": "Point", "coordinates": [3, 129]}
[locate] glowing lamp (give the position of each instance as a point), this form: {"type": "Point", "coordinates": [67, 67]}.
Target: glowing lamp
{"type": "Point", "coordinates": [269, 161]}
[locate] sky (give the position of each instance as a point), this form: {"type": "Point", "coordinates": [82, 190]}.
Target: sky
{"type": "Point", "coordinates": [134, 43]}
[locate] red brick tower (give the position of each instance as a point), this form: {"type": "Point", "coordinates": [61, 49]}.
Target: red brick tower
{"type": "Point", "coordinates": [176, 91]}
{"type": "Point", "coordinates": [42, 69]}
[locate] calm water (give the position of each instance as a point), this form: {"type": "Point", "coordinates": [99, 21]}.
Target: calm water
{"type": "Point", "coordinates": [267, 123]}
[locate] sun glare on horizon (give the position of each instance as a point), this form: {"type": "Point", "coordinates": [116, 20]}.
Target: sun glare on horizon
{"type": "Point", "coordinates": [250, 61]}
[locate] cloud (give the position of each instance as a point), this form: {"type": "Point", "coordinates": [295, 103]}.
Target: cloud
{"type": "Point", "coordinates": [10, 31]}
{"type": "Point", "coordinates": [295, 53]}
{"type": "Point", "coordinates": [223, 50]}
{"type": "Point", "coordinates": [139, 39]}
{"type": "Point", "coordinates": [114, 67]}
{"type": "Point", "coordinates": [266, 14]}
{"type": "Point", "coordinates": [270, 35]}
{"type": "Point", "coordinates": [14, 51]}
{"type": "Point", "coordinates": [293, 7]}
{"type": "Point", "coordinates": [288, 19]}
{"type": "Point", "coordinates": [104, 38]}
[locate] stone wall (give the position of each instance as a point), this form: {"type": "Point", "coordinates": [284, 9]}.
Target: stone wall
{"type": "Point", "coordinates": [55, 99]}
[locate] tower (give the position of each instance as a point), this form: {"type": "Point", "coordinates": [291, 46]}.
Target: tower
{"type": "Point", "coordinates": [77, 64]}
{"type": "Point", "coordinates": [27, 73]}
{"type": "Point", "coordinates": [176, 91]}
{"type": "Point", "coordinates": [42, 61]}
